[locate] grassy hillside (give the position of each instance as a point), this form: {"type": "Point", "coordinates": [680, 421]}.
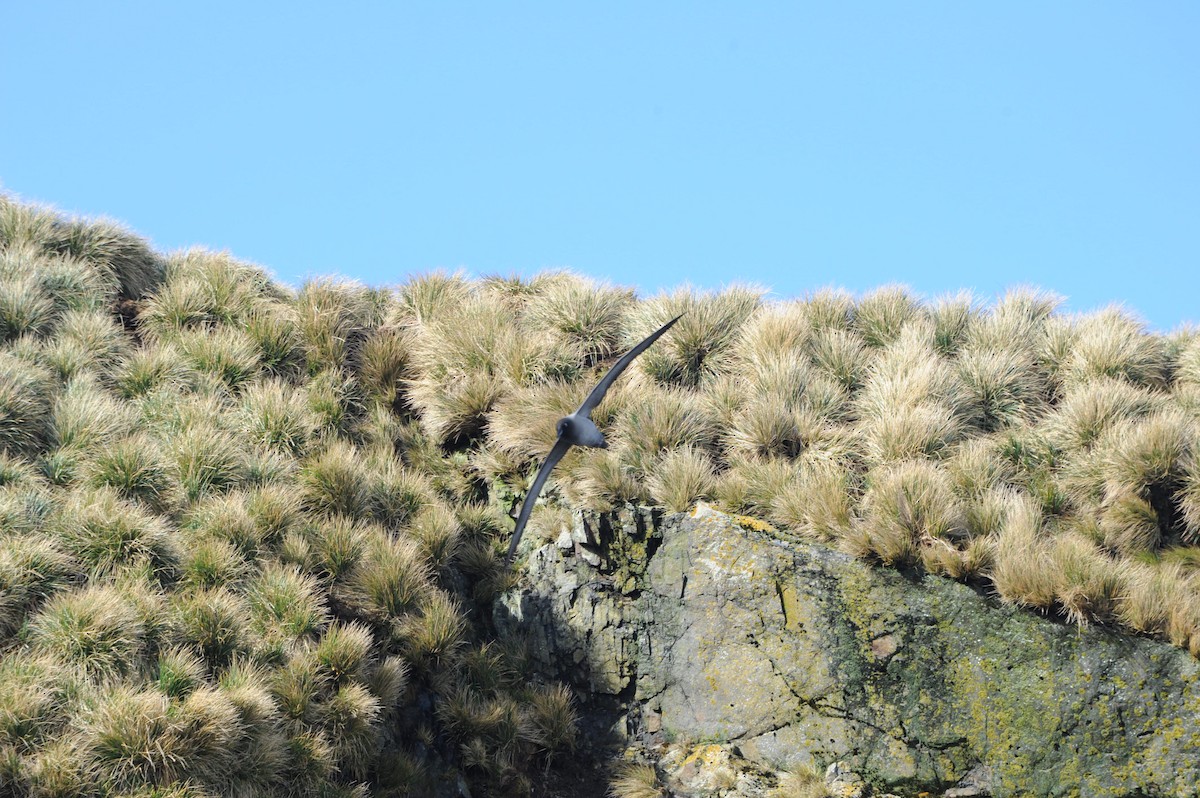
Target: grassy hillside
{"type": "Point", "coordinates": [248, 534]}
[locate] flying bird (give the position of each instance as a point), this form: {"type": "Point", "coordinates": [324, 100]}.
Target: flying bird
{"type": "Point", "coordinates": [578, 429]}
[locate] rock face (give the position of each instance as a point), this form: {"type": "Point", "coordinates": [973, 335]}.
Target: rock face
{"type": "Point", "coordinates": [702, 627]}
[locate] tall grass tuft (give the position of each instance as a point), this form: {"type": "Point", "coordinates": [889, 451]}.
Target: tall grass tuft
{"type": "Point", "coordinates": [820, 503]}
{"type": "Point", "coordinates": [31, 570]}
{"type": "Point", "coordinates": [25, 308]}
{"type": "Point", "coordinates": [434, 637]}
{"type": "Point", "coordinates": [390, 583]}
{"type": "Point", "coordinates": [842, 355]}
{"type": "Point", "coordinates": [466, 364]}
{"type": "Point", "coordinates": [137, 469]}
{"type": "Point", "coordinates": [206, 460]}
{"type": "Point", "coordinates": [906, 506]}
{"type": "Point", "coordinates": [213, 623]}
{"type": "Point", "coordinates": [383, 364]}
{"type": "Point", "coordinates": [693, 348]}
{"type": "Point", "coordinates": [336, 481]}
{"type": "Point", "coordinates": [114, 250]}
{"type": "Point", "coordinates": [1111, 343]}
{"type": "Point", "coordinates": [582, 315]}
{"type": "Point", "coordinates": [150, 368]}
{"type": "Point", "coordinates": [882, 314]}
{"type": "Point", "coordinates": [87, 340]}
{"type": "Point", "coordinates": [664, 419]}
{"type": "Point", "coordinates": [635, 781]}
{"type": "Point", "coordinates": [86, 417]}
{"type": "Point", "coordinates": [105, 533]}
{"type": "Point", "coordinates": [276, 416]}
{"type": "Point", "coordinates": [523, 423]}
{"type": "Point", "coordinates": [1023, 571]}
{"type": "Point", "coordinates": [912, 404]}
{"type": "Point", "coordinates": [428, 297]}
{"type": "Point", "coordinates": [332, 318]}
{"type": "Point", "coordinates": [438, 535]}
{"type": "Point", "coordinates": [287, 605]}
{"type": "Point", "coordinates": [96, 630]}
{"type": "Point", "coordinates": [26, 392]}
{"type": "Point", "coordinates": [953, 317]}
{"type": "Point", "coordinates": [1087, 411]}
{"type": "Point", "coordinates": [1091, 585]}
{"type": "Point", "coordinates": [682, 477]}
{"type": "Point", "coordinates": [1002, 386]}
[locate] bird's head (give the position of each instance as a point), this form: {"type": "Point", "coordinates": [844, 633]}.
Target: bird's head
{"type": "Point", "coordinates": [580, 431]}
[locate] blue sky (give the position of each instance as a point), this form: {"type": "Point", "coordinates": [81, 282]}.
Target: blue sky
{"type": "Point", "coordinates": [943, 145]}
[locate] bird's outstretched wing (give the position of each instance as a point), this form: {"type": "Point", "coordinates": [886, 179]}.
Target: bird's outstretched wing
{"type": "Point", "coordinates": [597, 395]}
{"type": "Point", "coordinates": [556, 453]}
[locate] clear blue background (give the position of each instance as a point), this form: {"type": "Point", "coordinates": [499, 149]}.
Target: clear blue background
{"type": "Point", "coordinates": [943, 145]}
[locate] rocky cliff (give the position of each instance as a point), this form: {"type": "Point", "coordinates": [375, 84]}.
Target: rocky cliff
{"type": "Point", "coordinates": [709, 628]}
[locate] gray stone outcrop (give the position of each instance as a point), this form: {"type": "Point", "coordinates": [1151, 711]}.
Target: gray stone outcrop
{"type": "Point", "coordinates": [707, 627]}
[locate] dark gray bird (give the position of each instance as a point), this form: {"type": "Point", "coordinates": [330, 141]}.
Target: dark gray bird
{"type": "Point", "coordinates": [578, 429]}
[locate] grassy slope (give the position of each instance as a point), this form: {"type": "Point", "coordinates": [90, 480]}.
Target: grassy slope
{"type": "Point", "coordinates": [246, 531]}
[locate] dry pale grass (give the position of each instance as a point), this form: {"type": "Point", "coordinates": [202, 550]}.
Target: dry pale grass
{"type": "Point", "coordinates": [1111, 343]}
{"type": "Point", "coordinates": [906, 506]}
{"type": "Point", "coordinates": [881, 315]}
{"type": "Point", "coordinates": [1023, 571]}
{"type": "Point", "coordinates": [682, 477]}
{"type": "Point", "coordinates": [693, 349]}
{"type": "Point", "coordinates": [635, 781]}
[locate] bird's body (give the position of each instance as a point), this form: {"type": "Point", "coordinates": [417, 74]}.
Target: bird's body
{"type": "Point", "coordinates": [578, 429]}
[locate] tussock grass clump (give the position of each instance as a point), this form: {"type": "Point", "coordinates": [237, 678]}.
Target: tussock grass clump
{"type": "Point", "coordinates": [136, 468]}
{"type": "Point", "coordinates": [26, 392]}
{"type": "Point", "coordinates": [882, 314]}
{"type": "Point", "coordinates": [434, 637]}
{"type": "Point", "coordinates": [332, 318]}
{"type": "Point", "coordinates": [287, 604]}
{"type": "Point", "coordinates": [227, 355]}
{"type": "Point", "coordinates": [31, 570]}
{"type": "Point", "coordinates": [383, 364]}
{"type": "Point", "coordinates": [842, 355]}
{"type": "Point", "coordinates": [523, 423]}
{"type": "Point", "coordinates": [1023, 572]}
{"type": "Point", "coordinates": [206, 460]}
{"type": "Point", "coordinates": [467, 363]}
{"type": "Point", "coordinates": [96, 629]}
{"type": "Point", "coordinates": [336, 481]}
{"type": "Point", "coordinates": [693, 348]}
{"type": "Point", "coordinates": [581, 315]}
{"type": "Point", "coordinates": [214, 623]}
{"type": "Point", "coordinates": [820, 503]}
{"type": "Point", "coordinates": [1002, 387]}
{"type": "Point", "coordinates": [913, 404]}
{"type": "Point", "coordinates": [276, 416]}
{"type": "Point", "coordinates": [205, 289]}
{"type": "Point", "coordinates": [86, 340]}
{"type": "Point", "coordinates": [426, 297]}
{"type": "Point", "coordinates": [665, 419]}
{"type": "Point", "coordinates": [151, 368]}
{"type": "Point", "coordinates": [86, 417]}
{"type": "Point", "coordinates": [953, 318]}
{"type": "Point", "coordinates": [25, 308]}
{"type": "Point", "coordinates": [635, 781]}
{"type": "Point", "coordinates": [1091, 585]}
{"type": "Point", "coordinates": [105, 533]}
{"type": "Point", "coordinates": [112, 249]}
{"type": "Point", "coordinates": [1111, 343]}
{"type": "Point", "coordinates": [906, 506]}
{"type": "Point", "coordinates": [683, 477]}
